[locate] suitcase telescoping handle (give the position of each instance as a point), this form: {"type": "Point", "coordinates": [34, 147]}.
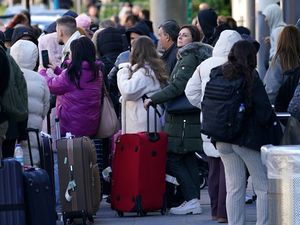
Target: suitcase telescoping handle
{"type": "Point", "coordinates": [41, 153]}
{"type": "Point", "coordinates": [57, 128]}
{"type": "Point", "coordinates": [153, 136]}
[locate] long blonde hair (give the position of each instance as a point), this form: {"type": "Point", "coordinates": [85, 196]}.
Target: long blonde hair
{"type": "Point", "coordinates": [288, 48]}
{"type": "Point", "coordinates": [144, 55]}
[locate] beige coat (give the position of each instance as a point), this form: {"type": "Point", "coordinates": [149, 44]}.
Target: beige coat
{"type": "Point", "coordinates": [134, 115]}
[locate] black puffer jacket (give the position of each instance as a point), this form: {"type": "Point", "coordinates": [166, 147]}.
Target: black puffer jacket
{"type": "Point", "coordinates": [208, 22]}
{"type": "Point", "coordinates": [109, 46]}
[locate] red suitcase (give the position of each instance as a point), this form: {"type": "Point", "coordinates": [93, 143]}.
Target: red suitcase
{"type": "Point", "coordinates": [138, 177]}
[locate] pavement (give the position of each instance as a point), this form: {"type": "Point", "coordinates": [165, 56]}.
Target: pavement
{"type": "Point", "coordinates": [107, 216]}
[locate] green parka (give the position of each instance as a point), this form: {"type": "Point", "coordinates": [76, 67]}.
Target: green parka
{"type": "Point", "coordinates": [183, 129]}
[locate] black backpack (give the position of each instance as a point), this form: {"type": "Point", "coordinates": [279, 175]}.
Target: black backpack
{"type": "Point", "coordinates": [223, 107]}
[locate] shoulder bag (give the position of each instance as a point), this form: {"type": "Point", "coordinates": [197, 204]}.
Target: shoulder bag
{"type": "Point", "coordinates": [181, 105]}
{"type": "Point", "coordinates": [108, 123]}
{"type": "Point", "coordinates": [291, 132]}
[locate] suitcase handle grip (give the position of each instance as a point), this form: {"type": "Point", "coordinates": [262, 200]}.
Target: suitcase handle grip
{"type": "Point", "coordinates": [41, 153]}
{"type": "Point", "coordinates": [154, 136]}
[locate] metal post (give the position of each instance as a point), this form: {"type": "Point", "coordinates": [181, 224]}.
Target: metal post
{"type": "Point", "coordinates": [27, 5]}
{"type": "Point", "coordinates": [167, 9]}
{"type": "Point", "coordinates": [78, 6]}
{"type": "Point", "coordinates": [261, 32]}
{"type": "Point", "coordinates": [289, 8]}
{"type": "Point", "coordinates": [250, 17]}
{"type": "Point", "coordinates": [189, 7]}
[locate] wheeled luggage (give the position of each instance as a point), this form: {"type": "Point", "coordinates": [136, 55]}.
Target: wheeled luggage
{"type": "Point", "coordinates": [39, 197]}
{"type": "Point", "coordinates": [39, 191]}
{"type": "Point", "coordinates": [47, 161]}
{"type": "Point", "coordinates": [99, 158]}
{"type": "Point", "coordinates": [45, 151]}
{"type": "Point", "coordinates": [138, 172]}
{"type": "Point", "coordinates": [79, 179]}
{"type": "Point", "coordinates": [12, 209]}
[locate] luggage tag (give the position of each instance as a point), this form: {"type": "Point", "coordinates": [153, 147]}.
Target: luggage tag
{"type": "Point", "coordinates": [44, 134]}
{"type": "Point", "coordinates": [71, 187]}
{"type": "Point", "coordinates": [172, 180]}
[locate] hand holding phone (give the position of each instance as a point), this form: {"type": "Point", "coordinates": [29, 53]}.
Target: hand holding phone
{"type": "Point", "coordinates": [45, 58]}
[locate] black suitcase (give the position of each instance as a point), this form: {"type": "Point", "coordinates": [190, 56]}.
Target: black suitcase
{"type": "Point", "coordinates": [39, 192]}
{"type": "Point", "coordinates": [40, 208]}
{"type": "Point", "coordinates": [12, 210]}
{"type": "Point", "coordinates": [45, 151]}
{"type": "Point", "coordinates": [47, 160]}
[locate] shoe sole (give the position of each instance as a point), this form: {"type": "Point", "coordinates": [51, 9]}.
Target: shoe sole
{"type": "Point", "coordinates": [193, 212]}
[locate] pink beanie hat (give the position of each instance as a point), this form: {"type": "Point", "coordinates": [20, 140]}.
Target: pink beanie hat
{"type": "Point", "coordinates": [83, 21]}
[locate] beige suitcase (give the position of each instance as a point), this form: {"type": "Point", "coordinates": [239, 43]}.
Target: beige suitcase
{"type": "Point", "coordinates": [79, 180]}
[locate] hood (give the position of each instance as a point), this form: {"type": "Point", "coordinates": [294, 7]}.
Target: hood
{"type": "Point", "coordinates": [140, 28]}
{"type": "Point", "coordinates": [208, 21]}
{"type": "Point", "coordinates": [274, 16]}
{"type": "Point", "coordinates": [25, 53]}
{"type": "Point", "coordinates": [198, 48]}
{"type": "Point", "coordinates": [109, 41]}
{"type": "Point", "coordinates": [226, 41]}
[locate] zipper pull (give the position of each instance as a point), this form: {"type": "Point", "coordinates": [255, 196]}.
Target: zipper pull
{"type": "Point", "coordinates": [183, 131]}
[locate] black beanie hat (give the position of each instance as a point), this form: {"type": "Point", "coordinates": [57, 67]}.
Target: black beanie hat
{"type": "Point", "coordinates": [109, 41]}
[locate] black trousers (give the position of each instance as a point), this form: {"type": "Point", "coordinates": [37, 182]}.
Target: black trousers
{"type": "Point", "coordinates": [184, 167]}
{"type": "Point", "coordinates": [217, 187]}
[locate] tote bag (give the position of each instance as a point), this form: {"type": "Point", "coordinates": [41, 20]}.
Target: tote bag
{"type": "Point", "coordinates": [108, 123]}
{"type": "Point", "coordinates": [291, 133]}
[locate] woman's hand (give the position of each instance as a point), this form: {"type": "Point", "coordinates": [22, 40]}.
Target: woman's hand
{"type": "Point", "coordinates": [147, 103]}
{"type": "Point", "coordinates": [51, 66]}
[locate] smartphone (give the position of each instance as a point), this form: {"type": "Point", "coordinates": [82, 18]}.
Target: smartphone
{"type": "Point", "coordinates": [45, 58]}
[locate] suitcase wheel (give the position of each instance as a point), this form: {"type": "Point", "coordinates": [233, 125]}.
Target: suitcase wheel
{"type": "Point", "coordinates": [203, 182]}
{"type": "Point", "coordinates": [91, 219]}
{"type": "Point", "coordinates": [141, 213]}
{"type": "Point", "coordinates": [163, 211]}
{"type": "Point", "coordinates": [120, 214]}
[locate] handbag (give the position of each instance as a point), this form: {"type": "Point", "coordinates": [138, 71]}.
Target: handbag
{"type": "Point", "coordinates": [181, 105]}
{"type": "Point", "coordinates": [108, 123]}
{"type": "Point", "coordinates": [291, 133]}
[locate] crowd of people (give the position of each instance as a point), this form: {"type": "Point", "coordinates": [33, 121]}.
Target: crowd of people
{"type": "Point", "coordinates": [140, 68]}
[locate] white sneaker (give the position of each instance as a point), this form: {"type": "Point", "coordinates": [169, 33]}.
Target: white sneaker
{"type": "Point", "coordinates": [191, 207]}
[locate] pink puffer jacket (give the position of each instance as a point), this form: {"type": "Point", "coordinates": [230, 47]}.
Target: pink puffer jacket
{"type": "Point", "coordinates": [77, 109]}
